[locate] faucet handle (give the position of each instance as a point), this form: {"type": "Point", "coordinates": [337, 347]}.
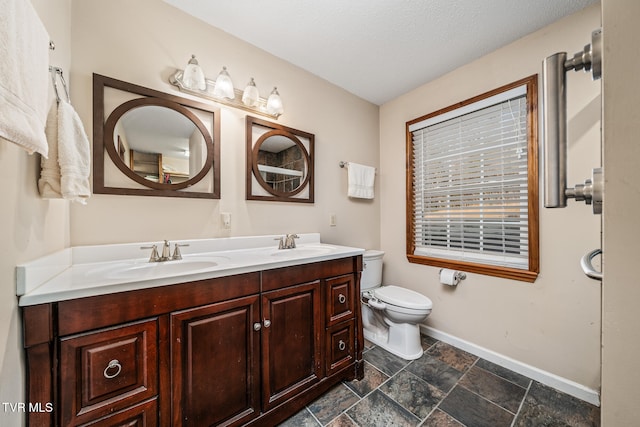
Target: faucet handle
{"type": "Point", "coordinates": [154, 253]}
{"type": "Point", "coordinates": [280, 242]}
{"type": "Point", "coordinates": [176, 251]}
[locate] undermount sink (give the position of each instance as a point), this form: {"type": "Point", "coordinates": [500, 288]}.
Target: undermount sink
{"type": "Point", "coordinates": [303, 251]}
{"type": "Point", "coordinates": [144, 270]}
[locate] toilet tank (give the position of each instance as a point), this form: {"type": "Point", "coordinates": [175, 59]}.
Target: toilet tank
{"type": "Point", "coordinates": [371, 269]}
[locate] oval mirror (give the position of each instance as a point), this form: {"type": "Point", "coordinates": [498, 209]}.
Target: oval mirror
{"type": "Point", "coordinates": [280, 163]}
{"type": "Point", "coordinates": [158, 143]}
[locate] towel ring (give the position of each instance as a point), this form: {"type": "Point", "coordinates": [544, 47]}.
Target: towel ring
{"type": "Point", "coordinates": [54, 71]}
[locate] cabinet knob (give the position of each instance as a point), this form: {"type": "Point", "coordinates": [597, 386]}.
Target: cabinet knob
{"type": "Point", "coordinates": [112, 370]}
{"type": "Point", "coordinates": [257, 326]}
{"type": "Point", "coordinates": [341, 345]}
{"type": "Point", "coordinates": [342, 299]}
{"type": "Point", "coordinates": [267, 323]}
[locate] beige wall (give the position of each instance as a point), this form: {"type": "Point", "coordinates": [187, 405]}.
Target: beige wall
{"type": "Point", "coordinates": [111, 38]}
{"type": "Point", "coordinates": [554, 323]}
{"type": "Point", "coordinates": [621, 293]}
{"type": "Point", "coordinates": [31, 227]}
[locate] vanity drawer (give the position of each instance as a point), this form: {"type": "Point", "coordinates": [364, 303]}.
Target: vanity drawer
{"type": "Point", "coordinates": [341, 299]}
{"type": "Point", "coordinates": [340, 346]}
{"type": "Point", "coordinates": [107, 370]}
{"type": "Point", "coordinates": [142, 415]}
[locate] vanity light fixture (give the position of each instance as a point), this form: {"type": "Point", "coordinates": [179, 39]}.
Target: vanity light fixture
{"type": "Point", "coordinates": [250, 96]}
{"type": "Point", "coordinates": [274, 103]}
{"type": "Point", "coordinates": [193, 77]}
{"type": "Point", "coordinates": [222, 91]}
{"type": "Point", "coordinates": [224, 85]}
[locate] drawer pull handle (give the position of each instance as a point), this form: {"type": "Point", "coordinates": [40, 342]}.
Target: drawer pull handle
{"type": "Point", "coordinates": [342, 345]}
{"type": "Point", "coordinates": [267, 323]}
{"type": "Point", "coordinates": [257, 326]}
{"type": "Point", "coordinates": [114, 364]}
{"type": "Point", "coordinates": [342, 299]}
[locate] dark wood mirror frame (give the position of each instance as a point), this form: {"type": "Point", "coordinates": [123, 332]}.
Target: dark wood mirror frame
{"type": "Point", "coordinates": [252, 172]}
{"type": "Point", "coordinates": [103, 130]}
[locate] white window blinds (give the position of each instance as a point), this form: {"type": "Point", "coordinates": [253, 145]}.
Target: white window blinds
{"type": "Point", "coordinates": [470, 182]}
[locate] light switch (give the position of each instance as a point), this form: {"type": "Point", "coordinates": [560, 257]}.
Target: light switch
{"type": "Point", "coordinates": [333, 220]}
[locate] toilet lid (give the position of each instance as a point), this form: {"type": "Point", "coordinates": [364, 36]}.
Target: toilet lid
{"type": "Point", "coordinates": [402, 297]}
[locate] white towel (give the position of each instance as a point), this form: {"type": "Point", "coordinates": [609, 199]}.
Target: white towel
{"type": "Point", "coordinates": [74, 155]}
{"type": "Point", "coordinates": [24, 76]}
{"type": "Point", "coordinates": [66, 173]}
{"type": "Point", "coordinates": [361, 181]}
{"type": "Point", "coordinates": [49, 182]}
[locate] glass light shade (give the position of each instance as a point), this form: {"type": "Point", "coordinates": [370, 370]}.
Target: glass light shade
{"type": "Point", "coordinates": [274, 103]}
{"type": "Point", "coordinates": [193, 76]}
{"type": "Point", "coordinates": [224, 85]}
{"type": "Point", "coordinates": [250, 96]}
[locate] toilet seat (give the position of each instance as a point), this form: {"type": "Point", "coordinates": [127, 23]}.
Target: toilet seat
{"type": "Point", "coordinates": [402, 297]}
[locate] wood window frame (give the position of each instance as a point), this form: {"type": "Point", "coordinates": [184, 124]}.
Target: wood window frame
{"type": "Point", "coordinates": [527, 275]}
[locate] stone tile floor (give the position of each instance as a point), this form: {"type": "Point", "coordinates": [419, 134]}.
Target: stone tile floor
{"type": "Point", "coordinates": [445, 387]}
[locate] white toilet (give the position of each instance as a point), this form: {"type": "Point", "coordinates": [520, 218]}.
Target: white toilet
{"type": "Point", "coordinates": [391, 314]}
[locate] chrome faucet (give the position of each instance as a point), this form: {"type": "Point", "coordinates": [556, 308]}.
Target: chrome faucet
{"type": "Point", "coordinates": [166, 252]}
{"type": "Point", "coordinates": [287, 242]}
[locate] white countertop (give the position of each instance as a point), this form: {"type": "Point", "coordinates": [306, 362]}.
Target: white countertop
{"type": "Point", "coordinates": [85, 271]}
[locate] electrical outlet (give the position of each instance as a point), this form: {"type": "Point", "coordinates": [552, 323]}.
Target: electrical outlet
{"type": "Point", "coordinates": [226, 219]}
{"type": "Point", "coordinates": [332, 220]}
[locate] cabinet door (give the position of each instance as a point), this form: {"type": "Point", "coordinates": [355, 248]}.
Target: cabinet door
{"type": "Point", "coordinates": [215, 371]}
{"type": "Point", "coordinates": [291, 341]}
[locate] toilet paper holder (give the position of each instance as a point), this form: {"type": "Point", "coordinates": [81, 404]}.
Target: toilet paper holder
{"type": "Point", "coordinates": [455, 279]}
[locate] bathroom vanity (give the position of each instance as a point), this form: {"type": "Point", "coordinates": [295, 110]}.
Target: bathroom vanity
{"type": "Point", "coordinates": [248, 338]}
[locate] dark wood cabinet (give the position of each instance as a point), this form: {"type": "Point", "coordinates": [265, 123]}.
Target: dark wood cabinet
{"type": "Point", "coordinates": [249, 349]}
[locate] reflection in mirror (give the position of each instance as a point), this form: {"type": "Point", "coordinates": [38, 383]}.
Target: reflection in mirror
{"type": "Point", "coordinates": [282, 163]}
{"type": "Point", "coordinates": [279, 162]}
{"type": "Point", "coordinates": [160, 144]}
{"type": "Point", "coordinates": [157, 144]}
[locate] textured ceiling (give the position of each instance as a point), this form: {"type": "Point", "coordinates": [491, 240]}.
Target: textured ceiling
{"type": "Point", "coordinates": [379, 49]}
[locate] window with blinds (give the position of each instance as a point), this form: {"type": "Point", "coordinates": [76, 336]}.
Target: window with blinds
{"type": "Point", "coordinates": [472, 178]}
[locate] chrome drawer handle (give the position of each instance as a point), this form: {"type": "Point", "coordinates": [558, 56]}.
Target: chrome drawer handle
{"type": "Point", "coordinates": [267, 323]}
{"type": "Point", "coordinates": [342, 299]}
{"type": "Point", "coordinates": [342, 345]}
{"type": "Point", "coordinates": [257, 326]}
{"type": "Point", "coordinates": [114, 364]}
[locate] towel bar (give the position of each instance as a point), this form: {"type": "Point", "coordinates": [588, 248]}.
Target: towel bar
{"type": "Point", "coordinates": [344, 164]}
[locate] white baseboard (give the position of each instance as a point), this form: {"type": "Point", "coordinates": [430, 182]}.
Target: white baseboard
{"type": "Point", "coordinates": [559, 383]}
